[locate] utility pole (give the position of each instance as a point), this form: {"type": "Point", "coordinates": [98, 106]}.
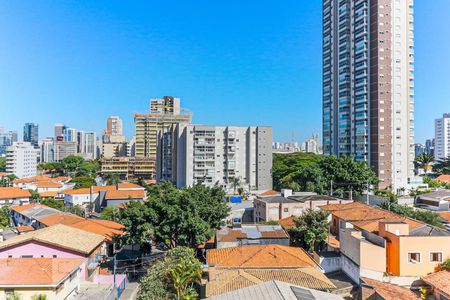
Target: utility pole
{"type": "Point", "coordinates": [367, 193]}
{"type": "Point", "coordinates": [331, 188]}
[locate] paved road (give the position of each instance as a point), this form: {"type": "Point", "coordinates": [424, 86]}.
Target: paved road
{"type": "Point", "coordinates": [130, 291]}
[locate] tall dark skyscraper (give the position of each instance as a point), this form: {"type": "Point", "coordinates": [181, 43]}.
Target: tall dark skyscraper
{"type": "Point", "coordinates": [31, 134]}
{"type": "Point", "coordinates": [368, 85]}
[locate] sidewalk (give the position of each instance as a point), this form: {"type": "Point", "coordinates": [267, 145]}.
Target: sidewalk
{"type": "Point", "coordinates": [130, 292]}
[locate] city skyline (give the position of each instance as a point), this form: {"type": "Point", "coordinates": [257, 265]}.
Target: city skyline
{"type": "Point", "coordinates": [202, 76]}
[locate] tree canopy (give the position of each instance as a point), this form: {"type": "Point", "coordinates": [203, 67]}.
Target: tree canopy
{"type": "Point", "coordinates": [173, 277]}
{"type": "Point", "coordinates": [310, 230]}
{"type": "Point", "coordinates": [314, 173]}
{"type": "Point", "coordinates": [442, 166]}
{"type": "Point", "coordinates": [176, 217]}
{"type": "Point", "coordinates": [2, 164]}
{"type": "Point", "coordinates": [425, 216]}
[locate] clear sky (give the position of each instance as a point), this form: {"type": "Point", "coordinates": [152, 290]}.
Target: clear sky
{"type": "Point", "coordinates": [234, 62]}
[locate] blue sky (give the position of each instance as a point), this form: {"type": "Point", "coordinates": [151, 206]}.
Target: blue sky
{"type": "Point", "coordinates": [231, 62]}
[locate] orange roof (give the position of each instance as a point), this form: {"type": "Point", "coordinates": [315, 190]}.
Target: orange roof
{"type": "Point", "coordinates": [129, 185]}
{"type": "Point", "coordinates": [440, 281]}
{"type": "Point", "coordinates": [47, 194]}
{"type": "Point", "coordinates": [33, 179]}
{"type": "Point", "coordinates": [61, 178]}
{"type": "Point", "coordinates": [444, 178]}
{"type": "Point", "coordinates": [269, 193]}
{"type": "Point", "coordinates": [367, 217]}
{"type": "Point", "coordinates": [287, 223]}
{"type": "Point", "coordinates": [24, 228]}
{"type": "Point", "coordinates": [125, 194]}
{"type": "Point", "coordinates": [3, 174]}
{"type": "Point", "coordinates": [86, 191]}
{"type": "Point", "coordinates": [60, 218]}
{"type": "Point", "coordinates": [48, 184]}
{"type": "Point", "coordinates": [389, 291]}
{"type": "Point", "coordinates": [108, 229]}
{"type": "Point", "coordinates": [13, 192]}
{"type": "Point", "coordinates": [260, 256]}
{"type": "Point", "coordinates": [36, 271]}
{"type": "Point", "coordinates": [21, 208]}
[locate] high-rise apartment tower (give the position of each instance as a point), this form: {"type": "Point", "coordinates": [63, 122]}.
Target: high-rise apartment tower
{"type": "Point", "coordinates": [368, 85]}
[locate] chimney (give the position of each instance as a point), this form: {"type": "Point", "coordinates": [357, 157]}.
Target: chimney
{"type": "Point", "coordinates": [286, 193]}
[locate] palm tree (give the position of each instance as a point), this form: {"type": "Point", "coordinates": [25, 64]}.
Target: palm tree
{"type": "Point", "coordinates": [235, 181]}
{"type": "Point", "coordinates": [424, 160]}
{"type": "Point", "coordinates": [443, 166]}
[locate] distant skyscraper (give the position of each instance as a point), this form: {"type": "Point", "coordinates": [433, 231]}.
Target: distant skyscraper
{"type": "Point", "coordinates": [47, 150]}
{"type": "Point", "coordinates": [31, 134]}
{"type": "Point", "coordinates": [69, 135]}
{"type": "Point", "coordinates": [368, 85]}
{"type": "Point", "coordinates": [7, 138]}
{"type": "Point", "coordinates": [87, 144]}
{"type": "Point", "coordinates": [442, 137]}
{"type": "Point", "coordinates": [59, 129]}
{"type": "Point", "coordinates": [114, 126]}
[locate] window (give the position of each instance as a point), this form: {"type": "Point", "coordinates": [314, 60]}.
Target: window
{"type": "Point", "coordinates": [27, 256]}
{"type": "Point", "coordinates": [286, 210]}
{"type": "Point", "coordinates": [54, 256]}
{"type": "Point", "coordinates": [436, 257]}
{"type": "Point", "coordinates": [414, 257]}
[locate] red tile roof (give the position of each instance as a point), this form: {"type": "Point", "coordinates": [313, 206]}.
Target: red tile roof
{"type": "Point", "coordinates": [36, 271]}
{"type": "Point", "coordinates": [439, 281]}
{"type": "Point", "coordinates": [389, 291]}
{"type": "Point", "coordinates": [269, 193]}
{"type": "Point", "coordinates": [129, 185]}
{"type": "Point", "coordinates": [21, 208]}
{"type": "Point", "coordinates": [13, 192]}
{"type": "Point", "coordinates": [24, 228]}
{"type": "Point", "coordinates": [444, 178]}
{"type": "Point", "coordinates": [48, 184]}
{"type": "Point", "coordinates": [260, 256]}
{"type": "Point", "coordinates": [125, 194]}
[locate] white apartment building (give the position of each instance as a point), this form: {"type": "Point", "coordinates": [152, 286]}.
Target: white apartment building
{"type": "Point", "coordinates": [217, 154]}
{"type": "Point", "coordinates": [442, 137]}
{"type": "Point", "coordinates": [21, 159]}
{"type": "Point", "coordinates": [87, 144]}
{"type": "Point", "coordinates": [47, 150]}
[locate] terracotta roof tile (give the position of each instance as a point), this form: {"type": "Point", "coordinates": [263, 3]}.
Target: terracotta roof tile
{"type": "Point", "coordinates": [61, 236]}
{"type": "Point", "coordinates": [125, 194]}
{"type": "Point", "coordinates": [444, 215]}
{"type": "Point", "coordinates": [36, 271]}
{"type": "Point", "coordinates": [233, 279]}
{"type": "Point", "coordinates": [390, 291]}
{"type": "Point", "coordinates": [227, 234]}
{"type": "Point", "coordinates": [444, 178]}
{"type": "Point", "coordinates": [13, 192]}
{"type": "Point", "coordinates": [60, 218]}
{"type": "Point", "coordinates": [47, 184]}
{"type": "Point", "coordinates": [287, 223]}
{"type": "Point", "coordinates": [440, 281]}
{"type": "Point", "coordinates": [129, 185]}
{"type": "Point", "coordinates": [367, 217]}
{"type": "Point", "coordinates": [260, 256]}
{"type": "Point", "coordinates": [32, 179]}
{"type": "Point", "coordinates": [26, 228]}
{"type": "Point", "coordinates": [48, 194]}
{"type": "Point", "coordinates": [21, 208]}
{"type": "Point", "coordinates": [269, 193]}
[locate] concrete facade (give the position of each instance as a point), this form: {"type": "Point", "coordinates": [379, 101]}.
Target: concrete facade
{"type": "Point", "coordinates": [442, 137]}
{"type": "Point", "coordinates": [21, 160]}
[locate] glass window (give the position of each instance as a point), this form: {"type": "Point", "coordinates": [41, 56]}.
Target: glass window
{"type": "Point", "coordinates": [414, 257]}
{"type": "Point", "coordinates": [436, 257]}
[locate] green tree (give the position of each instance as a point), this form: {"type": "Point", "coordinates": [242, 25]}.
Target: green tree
{"type": "Point", "coordinates": [14, 296]}
{"type": "Point", "coordinates": [313, 173]}
{"type": "Point", "coordinates": [83, 182]}
{"type": "Point", "coordinates": [235, 182]}
{"type": "Point", "coordinates": [310, 230]}
{"type": "Point", "coordinates": [445, 265]}
{"type": "Point", "coordinates": [137, 219]}
{"type": "Point", "coordinates": [2, 164]}
{"type": "Point", "coordinates": [52, 167]}
{"type": "Point", "coordinates": [432, 183]}
{"type": "Point", "coordinates": [112, 178]}
{"type": "Point", "coordinates": [51, 202]}
{"type": "Point", "coordinates": [110, 213]}
{"type": "Point", "coordinates": [39, 297]}
{"type": "Point", "coordinates": [424, 161]}
{"type": "Point", "coordinates": [34, 195]}
{"type": "Point", "coordinates": [4, 217]}
{"type": "Point", "coordinates": [442, 166]}
{"type": "Point", "coordinates": [71, 164]}
{"type": "Point", "coordinates": [425, 216]}
{"type": "Point", "coordinates": [173, 277]}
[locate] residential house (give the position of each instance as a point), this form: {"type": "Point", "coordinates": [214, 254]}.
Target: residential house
{"type": "Point", "coordinates": [436, 201]}
{"type": "Point", "coordinates": [286, 204]}
{"type": "Point", "coordinates": [373, 290]}
{"type": "Point", "coordinates": [378, 244]}
{"type": "Point", "coordinates": [440, 284]}
{"type": "Point", "coordinates": [444, 178]}
{"type": "Point", "coordinates": [101, 196]}
{"type": "Point", "coordinates": [14, 196]}
{"type": "Point", "coordinates": [227, 237]}
{"type": "Point", "coordinates": [230, 269]}
{"type": "Point", "coordinates": [29, 213]}
{"type": "Point", "coordinates": [276, 290]}
{"type": "Point", "coordinates": [56, 278]}
{"type": "Point", "coordinates": [44, 183]}
{"type": "Point", "coordinates": [58, 241]}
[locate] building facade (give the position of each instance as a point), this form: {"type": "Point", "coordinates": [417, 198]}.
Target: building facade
{"type": "Point", "coordinates": [47, 150]}
{"type": "Point", "coordinates": [59, 131]}
{"type": "Point", "coordinates": [6, 139]}
{"type": "Point", "coordinates": [164, 113]}
{"type": "Point", "coordinates": [218, 154]}
{"type": "Point", "coordinates": [113, 141]}
{"type": "Point", "coordinates": [114, 126]}
{"type": "Point", "coordinates": [442, 137]}
{"type": "Point", "coordinates": [31, 134]}
{"type": "Point", "coordinates": [368, 85]}
{"type": "Point", "coordinates": [21, 160]}
{"type": "Point", "coordinates": [63, 149]}
{"type": "Point", "coordinates": [87, 144]}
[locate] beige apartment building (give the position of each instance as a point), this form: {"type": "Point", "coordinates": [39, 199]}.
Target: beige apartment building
{"type": "Point", "coordinates": [129, 167]}
{"type": "Point", "coordinates": [381, 245]}
{"type": "Point", "coordinates": [164, 113]}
